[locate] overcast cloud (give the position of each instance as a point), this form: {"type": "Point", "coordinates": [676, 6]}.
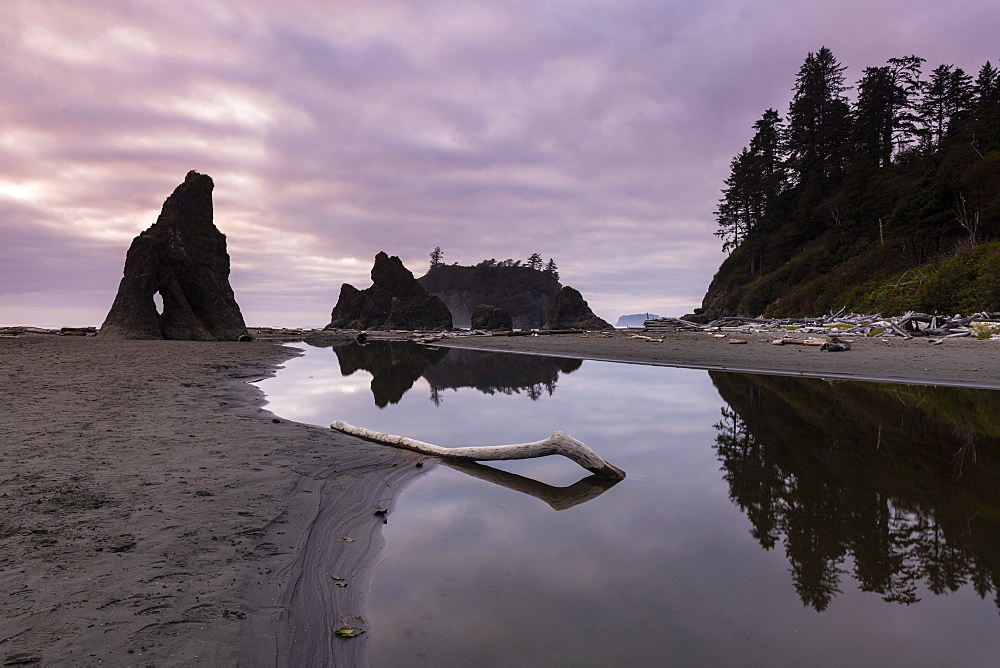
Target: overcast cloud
{"type": "Point", "coordinates": [595, 133]}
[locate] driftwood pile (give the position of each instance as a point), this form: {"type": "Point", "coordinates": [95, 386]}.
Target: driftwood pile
{"type": "Point", "coordinates": [980, 325]}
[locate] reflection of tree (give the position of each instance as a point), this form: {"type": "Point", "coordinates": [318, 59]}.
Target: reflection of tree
{"type": "Point", "coordinates": [498, 373]}
{"type": "Point", "coordinates": [396, 365]}
{"type": "Point", "coordinates": [901, 480]}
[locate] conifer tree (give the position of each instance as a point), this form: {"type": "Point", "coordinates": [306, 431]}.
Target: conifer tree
{"type": "Point", "coordinates": [948, 98]}
{"type": "Point", "coordinates": [819, 123]}
{"type": "Point", "coordinates": [885, 119]}
{"type": "Point", "coordinates": [551, 269]}
{"type": "Point", "coordinates": [987, 88]}
{"type": "Point", "coordinates": [437, 257]}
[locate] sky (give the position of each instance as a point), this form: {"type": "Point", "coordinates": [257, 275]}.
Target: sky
{"type": "Point", "coordinates": [596, 133]}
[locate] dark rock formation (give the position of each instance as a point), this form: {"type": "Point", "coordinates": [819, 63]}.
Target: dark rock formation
{"type": "Point", "coordinates": [491, 318]}
{"type": "Point", "coordinates": [183, 257]}
{"type": "Point", "coordinates": [570, 311]}
{"type": "Point", "coordinates": [395, 301]}
{"type": "Point", "coordinates": [523, 292]}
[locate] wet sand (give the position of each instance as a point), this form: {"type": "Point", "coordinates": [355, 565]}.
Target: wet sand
{"type": "Point", "coordinates": [154, 513]}
{"type": "Point", "coordinates": [960, 361]}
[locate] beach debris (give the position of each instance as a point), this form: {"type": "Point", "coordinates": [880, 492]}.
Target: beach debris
{"type": "Point", "coordinates": [348, 631]}
{"type": "Point", "coordinates": [640, 337]}
{"type": "Point", "coordinates": [557, 444]}
{"type": "Point", "coordinates": [77, 331]}
{"type": "Point", "coordinates": [907, 326]}
{"type": "Point", "coordinates": [835, 345]}
{"type": "Point", "coordinates": [737, 341]}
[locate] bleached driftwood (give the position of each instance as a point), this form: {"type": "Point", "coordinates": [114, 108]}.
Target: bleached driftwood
{"type": "Point", "coordinates": [556, 444]}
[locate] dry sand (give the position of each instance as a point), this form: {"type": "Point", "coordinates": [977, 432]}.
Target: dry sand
{"type": "Point", "coordinates": [155, 514]}
{"type": "Point", "coordinates": [960, 361]}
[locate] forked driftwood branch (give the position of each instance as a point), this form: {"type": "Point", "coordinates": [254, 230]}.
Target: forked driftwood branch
{"type": "Point", "coordinates": [556, 444]}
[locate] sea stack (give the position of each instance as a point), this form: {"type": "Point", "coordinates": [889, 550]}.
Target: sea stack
{"type": "Point", "coordinates": [491, 319]}
{"type": "Point", "coordinates": [183, 257]}
{"type": "Point", "coordinates": [396, 300]}
{"type": "Point", "coordinates": [571, 311]}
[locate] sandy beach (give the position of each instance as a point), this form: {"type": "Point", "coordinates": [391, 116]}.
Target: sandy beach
{"type": "Point", "coordinates": [155, 513]}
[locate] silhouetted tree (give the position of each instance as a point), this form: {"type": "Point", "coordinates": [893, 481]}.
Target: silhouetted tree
{"type": "Point", "coordinates": [819, 123]}
{"type": "Point", "coordinates": [535, 261]}
{"type": "Point", "coordinates": [437, 257]}
{"type": "Point", "coordinates": [551, 269]}
{"type": "Point", "coordinates": [885, 119]}
{"type": "Point", "coordinates": [948, 98]}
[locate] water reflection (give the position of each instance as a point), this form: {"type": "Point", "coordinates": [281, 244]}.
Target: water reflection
{"type": "Point", "coordinates": [558, 498]}
{"type": "Point", "coordinates": [875, 492]}
{"type": "Point", "coordinates": [901, 479]}
{"type": "Point", "coordinates": [396, 365]}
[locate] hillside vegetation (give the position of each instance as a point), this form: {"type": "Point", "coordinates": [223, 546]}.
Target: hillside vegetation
{"type": "Point", "coordinates": [888, 203]}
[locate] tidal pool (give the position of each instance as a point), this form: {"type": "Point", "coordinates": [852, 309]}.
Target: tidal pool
{"type": "Point", "coordinates": [764, 519]}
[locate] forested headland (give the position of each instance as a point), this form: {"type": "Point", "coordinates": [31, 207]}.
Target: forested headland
{"type": "Point", "coordinates": [881, 196]}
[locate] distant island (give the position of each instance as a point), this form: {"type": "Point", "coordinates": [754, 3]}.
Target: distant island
{"type": "Point", "coordinates": [634, 320]}
{"type": "Point", "coordinates": [887, 204]}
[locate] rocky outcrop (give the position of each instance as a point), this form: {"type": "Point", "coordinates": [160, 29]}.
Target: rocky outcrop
{"type": "Point", "coordinates": [571, 311]}
{"type": "Point", "coordinates": [183, 257]}
{"type": "Point", "coordinates": [525, 293]}
{"type": "Point", "coordinates": [491, 319]}
{"type": "Point", "coordinates": [396, 300]}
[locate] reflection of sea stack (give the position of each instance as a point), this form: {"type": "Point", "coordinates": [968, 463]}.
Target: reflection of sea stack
{"type": "Point", "coordinates": [394, 301]}
{"type": "Point", "coordinates": [571, 311]}
{"type": "Point", "coordinates": [394, 365]}
{"type": "Point", "coordinates": [183, 257]}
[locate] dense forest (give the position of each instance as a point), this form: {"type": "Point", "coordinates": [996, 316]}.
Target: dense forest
{"type": "Point", "coordinates": [887, 200]}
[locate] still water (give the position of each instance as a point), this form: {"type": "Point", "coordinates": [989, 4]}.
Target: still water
{"type": "Point", "coordinates": [764, 521]}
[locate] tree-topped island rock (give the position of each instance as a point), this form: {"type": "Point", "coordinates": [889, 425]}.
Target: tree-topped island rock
{"type": "Point", "coordinates": [396, 300]}
{"type": "Point", "coordinates": [182, 256]}
{"type": "Point", "coordinates": [491, 319]}
{"type": "Point", "coordinates": [571, 311]}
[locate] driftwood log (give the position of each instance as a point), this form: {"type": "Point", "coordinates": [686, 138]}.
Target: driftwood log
{"type": "Point", "coordinates": [906, 326]}
{"type": "Point", "coordinates": [556, 444]}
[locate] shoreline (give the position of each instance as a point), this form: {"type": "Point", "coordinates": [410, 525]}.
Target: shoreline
{"type": "Point", "coordinates": [960, 362]}
{"type": "Point", "coordinates": [155, 512]}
